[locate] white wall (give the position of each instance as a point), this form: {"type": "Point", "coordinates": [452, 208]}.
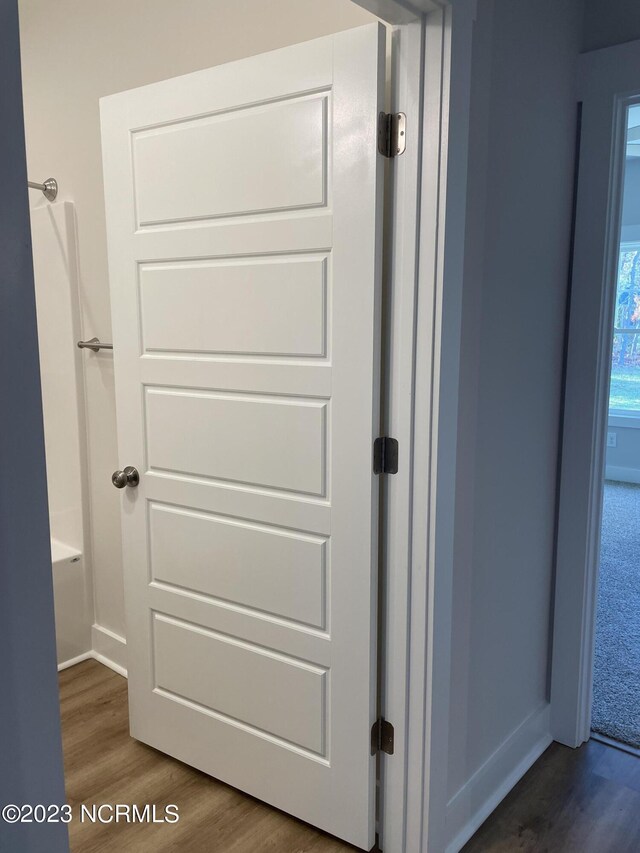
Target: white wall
{"type": "Point", "coordinates": [623, 460]}
{"type": "Point", "coordinates": [58, 311]}
{"type": "Point", "coordinates": [73, 53]}
{"type": "Point", "coordinates": [516, 266]}
{"type": "Point", "coordinates": [53, 235]}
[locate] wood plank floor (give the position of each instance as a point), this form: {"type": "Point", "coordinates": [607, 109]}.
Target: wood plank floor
{"type": "Point", "coordinates": [583, 800]}
{"type": "Point", "coordinates": [571, 801]}
{"type": "Point", "coordinates": [104, 765]}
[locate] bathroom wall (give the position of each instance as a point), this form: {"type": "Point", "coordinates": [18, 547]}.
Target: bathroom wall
{"type": "Point", "coordinates": [58, 308]}
{"type": "Point", "coordinates": [73, 53]}
{"type": "Point", "coordinates": [58, 313]}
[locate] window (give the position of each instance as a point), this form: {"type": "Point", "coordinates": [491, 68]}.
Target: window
{"type": "Point", "coordinates": [624, 391]}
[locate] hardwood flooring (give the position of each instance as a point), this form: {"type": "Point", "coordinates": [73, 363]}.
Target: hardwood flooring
{"type": "Point", "coordinates": [571, 801]}
{"type": "Point", "coordinates": [104, 765]}
{"type": "Point", "coordinates": [583, 800]}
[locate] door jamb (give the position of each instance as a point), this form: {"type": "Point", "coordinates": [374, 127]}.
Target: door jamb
{"type": "Point", "coordinates": [441, 278]}
{"type": "Point", "coordinates": [432, 82]}
{"type": "Point", "coordinates": [603, 86]}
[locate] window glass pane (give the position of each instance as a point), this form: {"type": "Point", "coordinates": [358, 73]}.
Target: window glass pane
{"type": "Point", "coordinates": [624, 393]}
{"type": "Point", "coordinates": [627, 314]}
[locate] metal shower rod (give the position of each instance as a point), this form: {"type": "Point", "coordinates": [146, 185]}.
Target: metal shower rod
{"type": "Point", "coordinates": [94, 344]}
{"type": "Point", "coordinates": [49, 188]}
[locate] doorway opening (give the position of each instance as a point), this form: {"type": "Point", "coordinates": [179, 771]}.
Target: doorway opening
{"type": "Point", "coordinates": [616, 677]}
{"type": "Point", "coordinates": [233, 391]}
{"type": "Point", "coordinates": [421, 193]}
{"type": "Point", "coordinates": [81, 196]}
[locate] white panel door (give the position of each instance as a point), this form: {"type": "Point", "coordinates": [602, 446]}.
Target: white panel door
{"type": "Point", "coordinates": [244, 224]}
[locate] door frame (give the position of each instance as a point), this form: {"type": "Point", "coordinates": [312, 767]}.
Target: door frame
{"type": "Point", "coordinates": [431, 61]}
{"type": "Point", "coordinates": [605, 87]}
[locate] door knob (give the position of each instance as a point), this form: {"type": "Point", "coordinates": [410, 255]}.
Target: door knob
{"type": "Point", "coordinates": [128, 477]}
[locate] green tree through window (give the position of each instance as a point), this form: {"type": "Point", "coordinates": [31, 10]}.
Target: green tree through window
{"type": "Point", "coordinates": [624, 392]}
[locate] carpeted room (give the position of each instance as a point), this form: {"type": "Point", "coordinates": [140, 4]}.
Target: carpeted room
{"type": "Point", "coordinates": [616, 683]}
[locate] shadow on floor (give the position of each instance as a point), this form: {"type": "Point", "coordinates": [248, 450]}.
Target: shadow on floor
{"type": "Point", "coordinates": [583, 800]}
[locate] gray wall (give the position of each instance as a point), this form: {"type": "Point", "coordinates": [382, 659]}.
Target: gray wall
{"type": "Point", "coordinates": [30, 749]}
{"type": "Point", "coordinates": [609, 22]}
{"type": "Point", "coordinates": [517, 255]}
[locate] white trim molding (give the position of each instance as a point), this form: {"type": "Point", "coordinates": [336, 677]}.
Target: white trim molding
{"type": "Point", "coordinates": [402, 202]}
{"type": "Point", "coordinates": [429, 191]}
{"type": "Point", "coordinates": [620, 420]}
{"type": "Point", "coordinates": [109, 649]}
{"type": "Point", "coordinates": [468, 809]}
{"type": "Point", "coordinates": [442, 232]}
{"type": "Point", "coordinates": [73, 661]}
{"type": "Point", "coordinates": [399, 12]}
{"type": "Point", "coordinates": [620, 474]}
{"type": "Point", "coordinates": [432, 84]}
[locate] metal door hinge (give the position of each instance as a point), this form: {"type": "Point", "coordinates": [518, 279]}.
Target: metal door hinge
{"type": "Point", "coordinates": [392, 136]}
{"type": "Point", "coordinates": [385, 455]}
{"type": "Point", "coordinates": [382, 737]}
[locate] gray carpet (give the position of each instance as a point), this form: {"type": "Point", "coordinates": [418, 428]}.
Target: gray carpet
{"type": "Point", "coordinates": [616, 683]}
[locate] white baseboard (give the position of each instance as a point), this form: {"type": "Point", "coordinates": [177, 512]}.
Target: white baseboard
{"type": "Point", "coordinates": [73, 661]}
{"type": "Point", "coordinates": [622, 475]}
{"type": "Point", "coordinates": [109, 648]}
{"type": "Point", "coordinates": [471, 806]}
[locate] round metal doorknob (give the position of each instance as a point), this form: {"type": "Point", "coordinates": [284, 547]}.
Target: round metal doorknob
{"type": "Point", "coordinates": [128, 477]}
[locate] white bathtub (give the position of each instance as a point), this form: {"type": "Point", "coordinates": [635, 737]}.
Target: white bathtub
{"type": "Point", "coordinates": [69, 596]}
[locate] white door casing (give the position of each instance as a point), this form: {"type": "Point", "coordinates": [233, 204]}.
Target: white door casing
{"type": "Point", "coordinates": [244, 228]}
{"type": "Point", "coordinates": [608, 82]}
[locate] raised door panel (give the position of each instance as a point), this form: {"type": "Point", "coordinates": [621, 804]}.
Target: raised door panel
{"type": "Point", "coordinates": [275, 694]}
{"type": "Point", "coordinates": [259, 567]}
{"type": "Point", "coordinates": [273, 306]}
{"type": "Point", "coordinates": [259, 159]}
{"type": "Point", "coordinates": [278, 443]}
